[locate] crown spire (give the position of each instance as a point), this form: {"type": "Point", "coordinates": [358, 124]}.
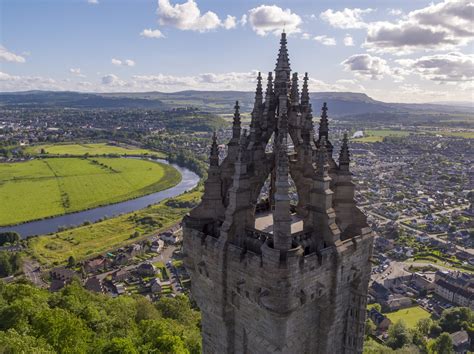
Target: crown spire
{"type": "Point", "coordinates": [283, 62]}
{"type": "Point", "coordinates": [282, 69]}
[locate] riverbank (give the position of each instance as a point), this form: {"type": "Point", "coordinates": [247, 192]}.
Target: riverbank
{"type": "Point", "coordinates": [89, 240]}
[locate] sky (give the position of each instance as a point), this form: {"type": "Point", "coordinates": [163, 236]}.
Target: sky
{"type": "Point", "coordinates": [395, 51]}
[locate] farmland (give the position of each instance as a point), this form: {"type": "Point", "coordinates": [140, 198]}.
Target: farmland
{"type": "Point", "coordinates": [43, 188]}
{"type": "Point", "coordinates": [91, 149]}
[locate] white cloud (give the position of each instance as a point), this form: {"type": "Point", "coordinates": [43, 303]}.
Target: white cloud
{"type": "Point", "coordinates": [243, 20]}
{"type": "Point", "coordinates": [230, 22]}
{"type": "Point", "coordinates": [266, 19]}
{"type": "Point", "coordinates": [395, 12]}
{"type": "Point", "coordinates": [442, 26]}
{"type": "Point", "coordinates": [187, 17]}
{"type": "Point", "coordinates": [76, 72]}
{"type": "Point", "coordinates": [345, 19]}
{"type": "Point", "coordinates": [450, 67]}
{"type": "Point", "coordinates": [23, 83]}
{"type": "Point", "coordinates": [9, 56]}
{"type": "Point", "coordinates": [149, 33]}
{"type": "Point", "coordinates": [112, 80]}
{"type": "Point", "coordinates": [125, 62]}
{"type": "Point", "coordinates": [93, 2]}
{"type": "Point", "coordinates": [367, 66]}
{"type": "Point", "coordinates": [305, 36]}
{"type": "Point", "coordinates": [325, 40]}
{"type": "Point", "coordinates": [348, 41]}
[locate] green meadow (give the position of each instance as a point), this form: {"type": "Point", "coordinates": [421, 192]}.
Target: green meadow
{"type": "Point", "coordinates": [48, 187]}
{"type": "Point", "coordinates": [409, 315]}
{"type": "Point", "coordinates": [373, 136]}
{"type": "Point", "coordinates": [90, 240]}
{"type": "Point", "coordinates": [91, 149]}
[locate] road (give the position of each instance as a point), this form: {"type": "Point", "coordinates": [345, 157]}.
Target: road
{"type": "Point", "coordinates": [32, 271]}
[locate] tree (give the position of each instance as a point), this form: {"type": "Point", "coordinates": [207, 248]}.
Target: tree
{"type": "Point", "coordinates": [418, 339]}
{"type": "Point", "coordinates": [435, 330]}
{"type": "Point", "coordinates": [456, 318]}
{"type": "Point", "coordinates": [71, 261]}
{"type": "Point", "coordinates": [120, 346]}
{"type": "Point", "coordinates": [9, 237]}
{"type": "Point", "coordinates": [398, 335]}
{"type": "Point", "coordinates": [13, 342]}
{"type": "Point", "coordinates": [424, 326]}
{"type": "Point", "coordinates": [370, 327]}
{"type": "Point", "coordinates": [377, 306]}
{"type": "Point", "coordinates": [443, 344]}
{"type": "Point", "coordinates": [6, 268]}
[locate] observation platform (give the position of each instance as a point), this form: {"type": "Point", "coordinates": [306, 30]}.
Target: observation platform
{"type": "Point", "coordinates": [264, 222]}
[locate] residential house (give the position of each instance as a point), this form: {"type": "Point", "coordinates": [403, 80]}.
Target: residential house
{"type": "Point", "coordinates": [146, 269]}
{"type": "Point", "coordinates": [120, 275]}
{"type": "Point", "coordinates": [456, 287]}
{"type": "Point", "coordinates": [381, 321]}
{"type": "Point", "coordinates": [156, 285]}
{"type": "Point", "coordinates": [423, 281]}
{"type": "Point", "coordinates": [171, 237]}
{"type": "Point", "coordinates": [94, 284]}
{"type": "Point", "coordinates": [461, 342]}
{"type": "Point", "coordinates": [60, 277]}
{"type": "Point", "coordinates": [96, 265]}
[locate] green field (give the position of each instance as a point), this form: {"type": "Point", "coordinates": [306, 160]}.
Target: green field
{"type": "Point", "coordinates": [410, 315]}
{"type": "Point", "coordinates": [465, 134]}
{"type": "Point", "coordinates": [91, 149]}
{"type": "Point", "coordinates": [42, 188]}
{"type": "Point", "coordinates": [373, 136]}
{"type": "Point", "coordinates": [94, 239]}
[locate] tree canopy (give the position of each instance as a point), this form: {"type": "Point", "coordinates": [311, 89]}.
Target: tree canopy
{"type": "Point", "coordinates": [75, 320]}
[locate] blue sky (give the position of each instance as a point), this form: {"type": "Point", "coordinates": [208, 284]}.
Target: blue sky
{"type": "Point", "coordinates": [411, 51]}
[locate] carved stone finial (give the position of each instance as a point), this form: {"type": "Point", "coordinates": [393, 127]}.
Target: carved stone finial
{"type": "Point", "coordinates": [344, 155]}
{"type": "Point", "coordinates": [214, 158]}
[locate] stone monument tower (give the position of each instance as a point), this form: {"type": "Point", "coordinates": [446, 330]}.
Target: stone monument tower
{"type": "Point", "coordinates": [273, 276]}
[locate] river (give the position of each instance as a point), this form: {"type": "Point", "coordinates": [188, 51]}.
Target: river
{"type": "Point", "coordinates": [189, 181]}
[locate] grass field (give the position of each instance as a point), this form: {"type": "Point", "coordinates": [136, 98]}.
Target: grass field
{"type": "Point", "coordinates": [91, 149]}
{"type": "Point", "coordinates": [41, 188]}
{"type": "Point", "coordinates": [373, 136]}
{"type": "Point", "coordinates": [466, 134]}
{"type": "Point", "coordinates": [89, 240]}
{"type": "Point", "coordinates": [410, 315]}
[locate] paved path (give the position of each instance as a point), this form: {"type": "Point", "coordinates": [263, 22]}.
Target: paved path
{"type": "Point", "coordinates": [32, 272]}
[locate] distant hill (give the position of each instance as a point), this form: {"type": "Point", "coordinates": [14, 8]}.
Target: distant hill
{"type": "Point", "coordinates": [68, 99]}
{"type": "Point", "coordinates": [341, 104]}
